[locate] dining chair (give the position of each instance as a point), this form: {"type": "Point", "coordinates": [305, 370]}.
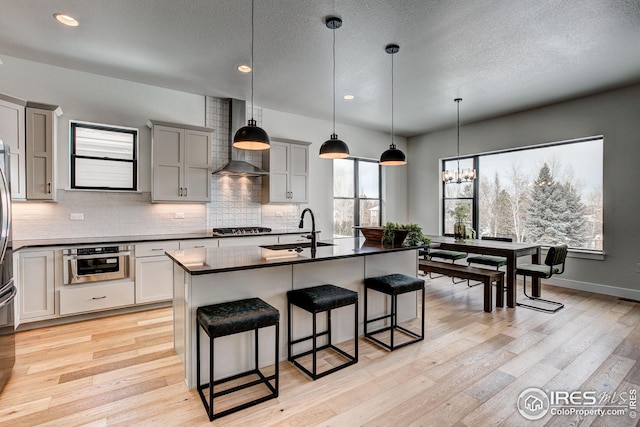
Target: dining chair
{"type": "Point", "coordinates": [553, 264]}
{"type": "Point", "coordinates": [489, 260]}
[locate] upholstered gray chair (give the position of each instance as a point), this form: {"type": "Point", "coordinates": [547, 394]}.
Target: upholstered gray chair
{"type": "Point", "coordinates": [553, 264]}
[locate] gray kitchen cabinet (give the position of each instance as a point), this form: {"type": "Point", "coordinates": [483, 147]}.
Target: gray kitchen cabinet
{"type": "Point", "coordinates": [181, 166]}
{"type": "Point", "coordinates": [41, 131]}
{"type": "Point", "coordinates": [12, 133]}
{"type": "Point", "coordinates": [288, 165]}
{"type": "Point", "coordinates": [36, 285]}
{"type": "Point", "coordinates": [154, 271]}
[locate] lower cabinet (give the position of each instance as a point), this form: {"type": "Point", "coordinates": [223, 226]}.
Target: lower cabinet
{"type": "Point", "coordinates": [154, 272]}
{"type": "Point", "coordinates": [36, 279]}
{"type": "Point", "coordinates": [85, 298]}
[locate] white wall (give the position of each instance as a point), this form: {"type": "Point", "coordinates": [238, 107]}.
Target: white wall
{"type": "Point", "coordinates": [94, 98]}
{"type": "Point", "coordinates": [614, 114]}
{"type": "Point", "coordinates": [361, 142]}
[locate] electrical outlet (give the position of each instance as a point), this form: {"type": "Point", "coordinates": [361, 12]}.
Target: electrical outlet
{"type": "Point", "coordinates": [76, 217]}
{"type": "Point", "coordinates": [179, 215]}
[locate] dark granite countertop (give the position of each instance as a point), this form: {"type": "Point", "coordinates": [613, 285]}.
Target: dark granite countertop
{"type": "Point", "coordinates": [98, 240]}
{"type": "Point", "coordinates": [216, 260]}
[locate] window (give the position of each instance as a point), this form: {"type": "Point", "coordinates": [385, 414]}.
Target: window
{"type": "Point", "coordinates": [356, 195]}
{"type": "Point", "coordinates": [103, 157]}
{"type": "Point", "coordinates": [549, 194]}
{"type": "Point", "coordinates": [459, 198]}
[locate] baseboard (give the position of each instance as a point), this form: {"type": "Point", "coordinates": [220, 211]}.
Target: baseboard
{"type": "Point", "coordinates": [595, 288]}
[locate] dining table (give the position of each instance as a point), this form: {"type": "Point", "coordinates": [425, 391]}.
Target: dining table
{"type": "Point", "coordinates": [510, 250]}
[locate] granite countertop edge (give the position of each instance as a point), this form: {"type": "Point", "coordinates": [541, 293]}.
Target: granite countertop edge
{"type": "Point", "coordinates": [212, 260]}
{"type": "Point", "coordinates": [99, 240]}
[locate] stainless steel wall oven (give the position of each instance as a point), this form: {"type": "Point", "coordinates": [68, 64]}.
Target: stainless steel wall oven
{"type": "Point", "coordinates": [86, 265]}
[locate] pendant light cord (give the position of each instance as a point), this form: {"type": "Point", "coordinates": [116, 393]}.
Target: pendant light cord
{"type": "Point", "coordinates": [393, 145]}
{"type": "Point", "coordinates": [458, 102]}
{"type": "Point", "coordinates": [252, 69]}
{"type": "Point", "coordinates": [334, 80]}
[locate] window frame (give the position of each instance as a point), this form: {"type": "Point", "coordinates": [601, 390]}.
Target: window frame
{"type": "Point", "coordinates": [356, 186]}
{"type": "Point", "coordinates": [73, 125]}
{"type": "Point", "coordinates": [582, 252]}
{"type": "Point", "coordinates": [475, 209]}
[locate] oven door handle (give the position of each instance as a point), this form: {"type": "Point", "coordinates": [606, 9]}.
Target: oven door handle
{"type": "Point", "coordinates": [110, 255]}
{"type": "Point", "coordinates": [9, 296]}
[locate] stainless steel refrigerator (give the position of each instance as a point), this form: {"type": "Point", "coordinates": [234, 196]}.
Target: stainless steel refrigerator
{"type": "Point", "coordinates": [8, 289]}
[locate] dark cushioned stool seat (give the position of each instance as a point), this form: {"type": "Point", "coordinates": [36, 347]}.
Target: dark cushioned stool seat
{"type": "Point", "coordinates": [229, 318]}
{"type": "Point", "coordinates": [322, 298]}
{"type": "Point", "coordinates": [318, 299]}
{"type": "Point", "coordinates": [394, 285]}
{"type": "Point", "coordinates": [237, 316]}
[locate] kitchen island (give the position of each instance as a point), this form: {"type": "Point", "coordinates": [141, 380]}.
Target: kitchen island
{"type": "Point", "coordinates": [204, 276]}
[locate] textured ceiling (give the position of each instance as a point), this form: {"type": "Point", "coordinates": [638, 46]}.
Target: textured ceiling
{"type": "Point", "coordinates": [500, 56]}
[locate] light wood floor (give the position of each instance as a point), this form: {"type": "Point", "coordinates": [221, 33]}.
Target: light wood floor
{"type": "Point", "coordinates": [469, 371]}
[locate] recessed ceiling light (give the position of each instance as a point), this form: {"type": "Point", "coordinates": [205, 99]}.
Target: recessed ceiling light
{"type": "Point", "coordinates": [244, 68]}
{"type": "Point", "coordinates": [66, 19]}
{"type": "Point", "coordinates": [348, 97]}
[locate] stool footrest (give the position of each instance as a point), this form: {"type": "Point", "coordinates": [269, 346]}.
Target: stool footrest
{"type": "Point", "coordinates": [299, 340]}
{"type": "Point", "coordinates": [263, 380]}
{"type": "Point", "coordinates": [351, 360]}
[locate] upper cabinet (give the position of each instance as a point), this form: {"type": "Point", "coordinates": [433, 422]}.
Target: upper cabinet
{"type": "Point", "coordinates": [12, 133]}
{"type": "Point", "coordinates": [41, 131]}
{"type": "Point", "coordinates": [30, 129]}
{"type": "Point", "coordinates": [182, 164]}
{"type": "Point", "coordinates": [288, 166]}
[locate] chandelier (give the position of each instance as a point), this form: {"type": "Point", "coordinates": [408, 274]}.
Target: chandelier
{"type": "Point", "coordinates": [459, 175]}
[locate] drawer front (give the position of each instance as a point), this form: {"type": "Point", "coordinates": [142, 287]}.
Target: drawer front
{"type": "Point", "coordinates": [198, 243]}
{"type": "Point", "coordinates": [96, 297]}
{"type": "Point", "coordinates": [156, 248]}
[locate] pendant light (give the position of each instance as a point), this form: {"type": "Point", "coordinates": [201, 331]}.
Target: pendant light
{"type": "Point", "coordinates": [393, 156]}
{"type": "Point", "coordinates": [333, 148]}
{"type": "Point", "coordinates": [459, 175]}
{"type": "Point", "coordinates": [251, 137]}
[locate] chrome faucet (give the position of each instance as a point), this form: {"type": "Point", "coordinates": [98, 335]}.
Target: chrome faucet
{"type": "Point", "coordinates": [314, 233]}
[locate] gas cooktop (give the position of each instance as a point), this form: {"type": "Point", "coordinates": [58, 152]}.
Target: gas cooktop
{"type": "Point", "coordinates": [240, 231]}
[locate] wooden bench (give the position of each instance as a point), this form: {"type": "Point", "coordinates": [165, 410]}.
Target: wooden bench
{"type": "Point", "coordinates": [487, 277]}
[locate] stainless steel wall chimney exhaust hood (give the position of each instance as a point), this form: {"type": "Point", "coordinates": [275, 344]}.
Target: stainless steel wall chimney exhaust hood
{"type": "Point", "coordinates": [237, 119]}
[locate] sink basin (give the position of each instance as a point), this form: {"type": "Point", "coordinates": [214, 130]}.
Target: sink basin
{"type": "Point", "coordinates": [292, 246]}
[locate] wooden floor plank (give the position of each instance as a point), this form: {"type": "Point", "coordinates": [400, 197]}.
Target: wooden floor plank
{"type": "Point", "coordinates": [469, 370]}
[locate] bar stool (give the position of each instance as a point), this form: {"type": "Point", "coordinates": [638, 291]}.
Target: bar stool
{"type": "Point", "coordinates": [316, 300]}
{"type": "Point", "coordinates": [392, 285]}
{"type": "Point", "coordinates": [230, 318]}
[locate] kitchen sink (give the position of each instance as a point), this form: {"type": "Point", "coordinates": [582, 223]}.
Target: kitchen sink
{"type": "Point", "coordinates": [292, 246]}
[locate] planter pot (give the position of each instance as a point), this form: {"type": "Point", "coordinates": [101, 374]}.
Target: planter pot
{"type": "Point", "coordinates": [374, 234]}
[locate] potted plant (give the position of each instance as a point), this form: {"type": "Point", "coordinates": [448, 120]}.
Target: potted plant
{"type": "Point", "coordinates": [403, 234]}
{"type": "Point", "coordinates": [415, 236]}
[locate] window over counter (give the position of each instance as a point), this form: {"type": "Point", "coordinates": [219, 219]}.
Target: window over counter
{"type": "Point", "coordinates": [103, 157]}
{"type": "Point", "coordinates": [356, 195]}
{"type": "Point", "coordinates": [548, 194]}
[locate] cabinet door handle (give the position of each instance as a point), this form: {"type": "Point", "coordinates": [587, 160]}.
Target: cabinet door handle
{"type": "Point", "coordinates": [185, 192]}
{"type": "Point", "coordinates": [48, 188]}
{"type": "Point", "coordinates": [103, 297]}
